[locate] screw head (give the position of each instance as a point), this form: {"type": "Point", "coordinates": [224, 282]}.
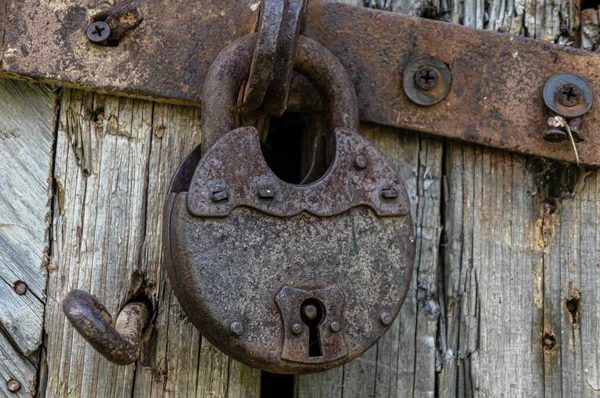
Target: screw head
{"type": "Point", "coordinates": [237, 328]}
{"type": "Point", "coordinates": [20, 288]}
{"type": "Point", "coordinates": [569, 94]}
{"type": "Point", "coordinates": [220, 196]}
{"type": "Point", "coordinates": [13, 385]}
{"type": "Point", "coordinates": [296, 328]}
{"type": "Point", "coordinates": [427, 77]}
{"type": "Point", "coordinates": [361, 162]}
{"type": "Point", "coordinates": [334, 327]}
{"type": "Point", "coordinates": [426, 81]}
{"type": "Point", "coordinates": [385, 318]}
{"type": "Point", "coordinates": [98, 32]}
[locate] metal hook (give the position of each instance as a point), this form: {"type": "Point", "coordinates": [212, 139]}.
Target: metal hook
{"type": "Point", "coordinates": [119, 344]}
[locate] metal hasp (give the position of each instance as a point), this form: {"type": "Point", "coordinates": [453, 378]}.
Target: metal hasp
{"type": "Point", "coordinates": [494, 98]}
{"type": "Point", "coordinates": [287, 278]}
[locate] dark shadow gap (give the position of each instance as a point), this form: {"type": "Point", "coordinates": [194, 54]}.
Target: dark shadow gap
{"type": "Point", "coordinates": [276, 386]}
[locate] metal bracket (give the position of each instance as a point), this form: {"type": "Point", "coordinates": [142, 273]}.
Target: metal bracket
{"type": "Point", "coordinates": [495, 96]}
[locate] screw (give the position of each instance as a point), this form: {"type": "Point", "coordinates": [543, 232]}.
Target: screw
{"type": "Point", "coordinates": [569, 94]}
{"type": "Point", "coordinates": [310, 311]}
{"type": "Point", "coordinates": [296, 328]}
{"type": "Point", "coordinates": [220, 196]}
{"type": "Point", "coordinates": [236, 328]}
{"type": "Point", "coordinates": [361, 162]}
{"type": "Point", "coordinates": [385, 318]}
{"type": "Point", "coordinates": [20, 288]}
{"type": "Point", "coordinates": [334, 327]}
{"type": "Point", "coordinates": [266, 193]}
{"type": "Point", "coordinates": [98, 32]}
{"type": "Point", "coordinates": [13, 385]}
{"type": "Point", "coordinates": [389, 193]}
{"type": "Point", "coordinates": [427, 77]}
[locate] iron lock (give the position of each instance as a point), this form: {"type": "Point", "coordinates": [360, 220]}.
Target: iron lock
{"type": "Point", "coordinates": [287, 278]}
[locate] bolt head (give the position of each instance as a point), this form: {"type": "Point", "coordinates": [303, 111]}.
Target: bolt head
{"type": "Point", "coordinates": [569, 94]}
{"type": "Point", "coordinates": [296, 328]}
{"type": "Point", "coordinates": [309, 311]}
{"type": "Point", "coordinates": [220, 196]}
{"type": "Point", "coordinates": [98, 32]}
{"type": "Point", "coordinates": [237, 328]}
{"type": "Point", "coordinates": [427, 77]}
{"type": "Point", "coordinates": [334, 327]}
{"type": "Point", "coordinates": [13, 385]}
{"type": "Point", "coordinates": [20, 288]}
{"type": "Point", "coordinates": [361, 162]}
{"type": "Point", "coordinates": [555, 135]}
{"type": "Point", "coordinates": [385, 318]}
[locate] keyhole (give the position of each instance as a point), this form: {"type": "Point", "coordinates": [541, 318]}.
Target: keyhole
{"type": "Point", "coordinates": [312, 313]}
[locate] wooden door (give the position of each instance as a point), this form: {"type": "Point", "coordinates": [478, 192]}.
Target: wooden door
{"type": "Point", "coordinates": [504, 300]}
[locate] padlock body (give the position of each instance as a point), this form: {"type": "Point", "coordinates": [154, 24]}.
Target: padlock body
{"type": "Point", "coordinates": [242, 277]}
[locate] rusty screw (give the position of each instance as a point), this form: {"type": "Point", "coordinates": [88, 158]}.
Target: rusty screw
{"type": "Point", "coordinates": [20, 288]}
{"type": "Point", "coordinates": [236, 328]}
{"type": "Point", "coordinates": [427, 77]}
{"type": "Point", "coordinates": [334, 327]}
{"type": "Point", "coordinates": [220, 196]}
{"type": "Point", "coordinates": [13, 385]}
{"type": "Point", "coordinates": [385, 318]}
{"type": "Point", "coordinates": [569, 94]}
{"type": "Point", "coordinates": [296, 328]}
{"type": "Point", "coordinates": [310, 311]}
{"type": "Point", "coordinates": [98, 32]}
{"type": "Point", "coordinates": [361, 162]}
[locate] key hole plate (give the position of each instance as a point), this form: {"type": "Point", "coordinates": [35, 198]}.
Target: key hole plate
{"type": "Point", "coordinates": [325, 343]}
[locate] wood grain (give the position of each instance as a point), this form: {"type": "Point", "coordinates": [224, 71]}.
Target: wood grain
{"type": "Point", "coordinates": [114, 161]}
{"type": "Point", "coordinates": [27, 120]}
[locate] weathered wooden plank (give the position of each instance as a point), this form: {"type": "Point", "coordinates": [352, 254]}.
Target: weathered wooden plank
{"type": "Point", "coordinates": [27, 120]}
{"type": "Point", "coordinates": [14, 366]}
{"type": "Point", "coordinates": [493, 287]}
{"type": "Point", "coordinates": [101, 176]}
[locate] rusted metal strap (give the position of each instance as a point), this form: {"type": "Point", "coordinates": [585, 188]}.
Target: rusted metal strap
{"type": "Point", "coordinates": [495, 95]}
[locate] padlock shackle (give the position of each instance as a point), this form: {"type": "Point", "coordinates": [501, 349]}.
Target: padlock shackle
{"type": "Point", "coordinates": [232, 67]}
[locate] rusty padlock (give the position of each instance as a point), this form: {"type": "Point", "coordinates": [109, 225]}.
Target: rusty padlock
{"type": "Point", "coordinates": [287, 278]}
